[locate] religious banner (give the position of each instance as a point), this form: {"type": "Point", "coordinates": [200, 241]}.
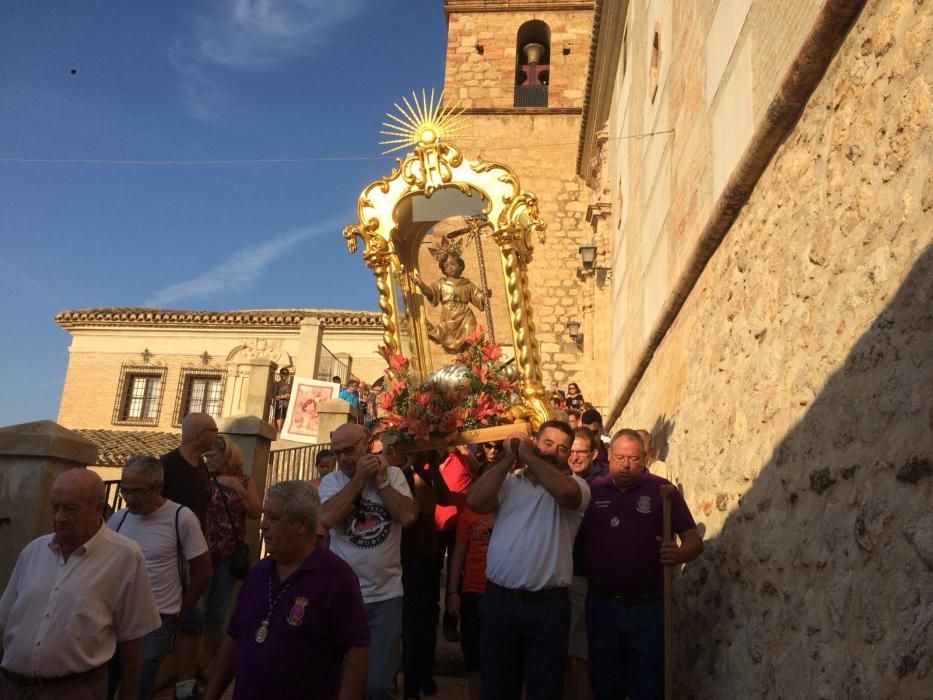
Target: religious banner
{"type": "Point", "coordinates": [302, 419]}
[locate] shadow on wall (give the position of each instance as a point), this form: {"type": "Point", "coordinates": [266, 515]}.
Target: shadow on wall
{"type": "Point", "coordinates": [821, 578]}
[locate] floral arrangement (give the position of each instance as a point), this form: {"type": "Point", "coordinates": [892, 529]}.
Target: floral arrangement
{"type": "Point", "coordinates": [475, 392]}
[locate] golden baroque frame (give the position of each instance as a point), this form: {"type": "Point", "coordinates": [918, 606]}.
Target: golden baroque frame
{"type": "Point", "coordinates": [390, 249]}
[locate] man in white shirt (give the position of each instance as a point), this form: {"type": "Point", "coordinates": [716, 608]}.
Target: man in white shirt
{"type": "Point", "coordinates": [171, 540]}
{"type": "Point", "coordinates": [525, 609]}
{"type": "Point", "coordinates": [73, 598]}
{"type": "Point", "coordinates": [366, 503]}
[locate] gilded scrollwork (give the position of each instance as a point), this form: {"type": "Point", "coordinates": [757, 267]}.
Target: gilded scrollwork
{"type": "Point", "coordinates": [514, 224]}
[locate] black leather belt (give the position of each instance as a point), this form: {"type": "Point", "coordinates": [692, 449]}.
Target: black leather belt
{"type": "Point", "coordinates": [636, 599]}
{"type": "Point", "coordinates": [525, 594]}
{"type": "Point", "coordinates": [34, 681]}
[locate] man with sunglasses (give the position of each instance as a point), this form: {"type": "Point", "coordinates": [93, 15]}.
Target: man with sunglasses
{"type": "Point", "coordinates": [365, 505]}
{"type": "Point", "coordinates": [169, 536]}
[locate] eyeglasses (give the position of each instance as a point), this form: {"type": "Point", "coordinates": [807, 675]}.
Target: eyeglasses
{"type": "Point", "coordinates": [490, 446]}
{"type": "Point", "coordinates": [627, 460]}
{"type": "Point", "coordinates": [346, 450]}
{"type": "Point", "coordinates": [137, 491]}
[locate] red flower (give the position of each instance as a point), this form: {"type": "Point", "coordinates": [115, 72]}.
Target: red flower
{"type": "Point", "coordinates": [481, 371]}
{"type": "Point", "coordinates": [476, 337]}
{"type": "Point", "coordinates": [423, 399]}
{"type": "Point", "coordinates": [491, 351]}
{"type": "Point", "coordinates": [397, 363]}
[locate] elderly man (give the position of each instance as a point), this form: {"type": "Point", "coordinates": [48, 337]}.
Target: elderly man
{"type": "Point", "coordinates": [74, 597]}
{"type": "Point", "coordinates": [168, 535]}
{"type": "Point", "coordinates": [366, 503]}
{"type": "Point", "coordinates": [525, 609]}
{"type": "Point", "coordinates": [187, 483]}
{"type": "Point", "coordinates": [624, 561]}
{"type": "Point", "coordinates": [299, 628]}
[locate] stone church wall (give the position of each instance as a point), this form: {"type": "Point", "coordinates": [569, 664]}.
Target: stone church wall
{"type": "Point", "coordinates": [794, 396]}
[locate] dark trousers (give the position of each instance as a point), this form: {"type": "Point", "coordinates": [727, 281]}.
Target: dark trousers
{"type": "Point", "coordinates": [524, 638]}
{"type": "Point", "coordinates": [626, 648]}
{"type": "Point", "coordinates": [445, 547]}
{"type": "Point", "coordinates": [419, 636]}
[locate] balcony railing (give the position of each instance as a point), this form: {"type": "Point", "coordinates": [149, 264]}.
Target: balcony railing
{"type": "Point", "coordinates": [293, 463]}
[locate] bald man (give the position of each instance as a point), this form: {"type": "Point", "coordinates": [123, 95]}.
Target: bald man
{"type": "Point", "coordinates": [186, 479]}
{"type": "Point", "coordinates": [366, 503]}
{"type": "Point", "coordinates": [187, 483]}
{"type": "Point", "coordinates": [73, 598]}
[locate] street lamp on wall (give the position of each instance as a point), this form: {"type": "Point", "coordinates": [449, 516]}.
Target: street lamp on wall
{"type": "Point", "coordinates": [573, 330]}
{"type": "Point", "coordinates": [588, 262]}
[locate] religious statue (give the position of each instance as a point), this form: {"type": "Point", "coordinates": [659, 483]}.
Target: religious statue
{"type": "Point", "coordinates": [454, 294]}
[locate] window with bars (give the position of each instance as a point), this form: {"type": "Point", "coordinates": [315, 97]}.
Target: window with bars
{"type": "Point", "coordinates": [199, 391]}
{"type": "Point", "coordinates": [139, 395]}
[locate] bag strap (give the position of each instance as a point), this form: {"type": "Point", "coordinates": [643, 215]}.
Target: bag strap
{"type": "Point", "coordinates": [179, 555]}
{"type": "Point", "coordinates": [120, 524]}
{"type": "Point", "coordinates": [223, 496]}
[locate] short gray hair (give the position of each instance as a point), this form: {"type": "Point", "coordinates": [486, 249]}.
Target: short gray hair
{"type": "Point", "coordinates": [299, 499]}
{"type": "Point", "coordinates": [146, 464]}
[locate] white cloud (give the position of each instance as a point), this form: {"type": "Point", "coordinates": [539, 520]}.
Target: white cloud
{"type": "Point", "coordinates": [238, 271]}
{"type": "Point", "coordinates": [249, 35]}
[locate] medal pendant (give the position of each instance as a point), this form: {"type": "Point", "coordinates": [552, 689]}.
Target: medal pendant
{"type": "Point", "coordinates": [263, 632]}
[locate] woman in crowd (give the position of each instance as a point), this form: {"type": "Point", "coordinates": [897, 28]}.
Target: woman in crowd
{"type": "Point", "coordinates": [233, 500]}
{"type": "Point", "coordinates": [575, 399]}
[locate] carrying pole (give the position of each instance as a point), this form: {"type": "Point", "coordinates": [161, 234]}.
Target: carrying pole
{"type": "Point", "coordinates": [667, 491]}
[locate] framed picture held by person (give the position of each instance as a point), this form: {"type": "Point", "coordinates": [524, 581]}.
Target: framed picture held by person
{"type": "Point", "coordinates": [302, 419]}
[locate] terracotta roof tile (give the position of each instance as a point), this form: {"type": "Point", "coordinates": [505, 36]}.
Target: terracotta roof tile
{"type": "Point", "coordinates": [115, 446]}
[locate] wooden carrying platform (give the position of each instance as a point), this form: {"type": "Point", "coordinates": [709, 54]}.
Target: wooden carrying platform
{"type": "Point", "coordinates": [465, 437]}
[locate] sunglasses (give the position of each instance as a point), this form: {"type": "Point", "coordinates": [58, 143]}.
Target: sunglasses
{"type": "Point", "coordinates": [346, 450]}
{"type": "Point", "coordinates": [490, 446]}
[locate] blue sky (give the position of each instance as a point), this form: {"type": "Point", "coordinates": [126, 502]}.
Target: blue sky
{"type": "Point", "coordinates": [223, 81]}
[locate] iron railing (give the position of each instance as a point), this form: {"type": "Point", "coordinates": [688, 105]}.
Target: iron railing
{"type": "Point", "coordinates": [112, 497]}
{"type": "Point", "coordinates": [329, 366]}
{"type": "Point", "coordinates": [293, 463]}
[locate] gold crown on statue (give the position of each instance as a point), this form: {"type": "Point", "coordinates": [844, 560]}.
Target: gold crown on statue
{"type": "Point", "coordinates": [446, 246]}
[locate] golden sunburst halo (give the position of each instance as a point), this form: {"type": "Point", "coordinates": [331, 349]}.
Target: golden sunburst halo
{"type": "Point", "coordinates": [423, 120]}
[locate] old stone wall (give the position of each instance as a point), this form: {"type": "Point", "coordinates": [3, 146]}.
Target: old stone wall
{"type": "Point", "coordinates": [793, 393]}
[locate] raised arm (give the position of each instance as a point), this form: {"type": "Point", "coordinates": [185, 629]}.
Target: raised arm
{"type": "Point", "coordinates": [338, 506]}
{"type": "Point", "coordinates": [401, 507]}
{"type": "Point", "coordinates": [565, 490]}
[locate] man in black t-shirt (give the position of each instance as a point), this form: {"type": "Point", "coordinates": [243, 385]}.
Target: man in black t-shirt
{"type": "Point", "coordinates": [186, 478]}
{"type": "Point", "coordinates": [187, 482]}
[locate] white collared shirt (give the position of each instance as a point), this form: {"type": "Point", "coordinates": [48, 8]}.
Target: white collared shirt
{"type": "Point", "coordinates": [532, 542]}
{"type": "Point", "coordinates": [61, 617]}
